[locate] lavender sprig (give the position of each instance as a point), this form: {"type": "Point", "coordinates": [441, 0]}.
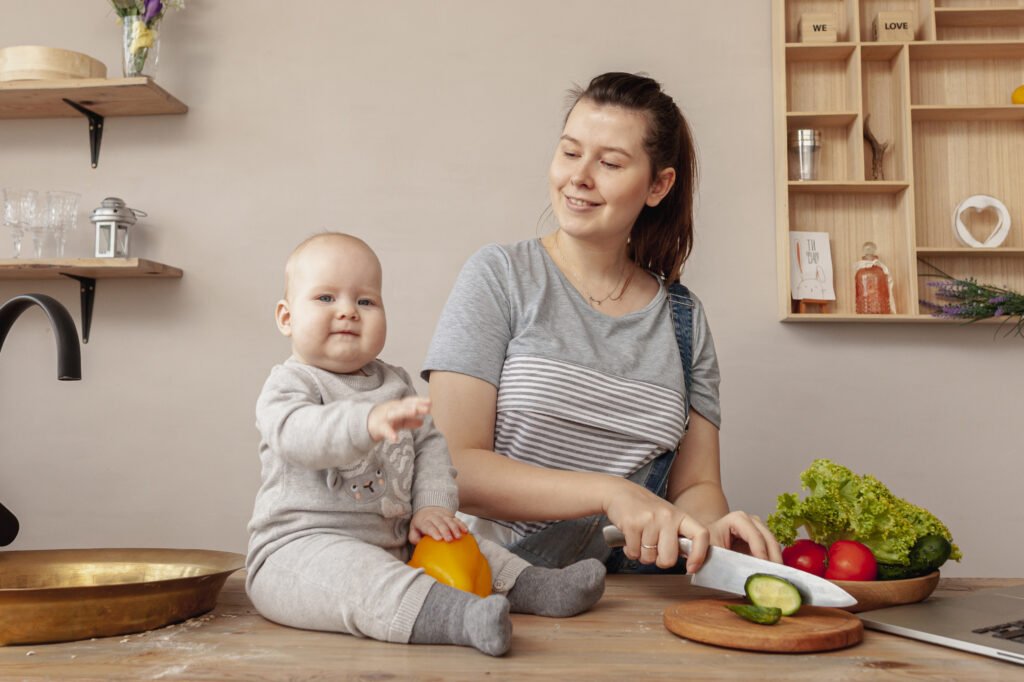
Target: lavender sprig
{"type": "Point", "coordinates": [967, 299]}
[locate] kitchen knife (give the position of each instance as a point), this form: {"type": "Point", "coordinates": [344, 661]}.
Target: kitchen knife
{"type": "Point", "coordinates": [728, 571]}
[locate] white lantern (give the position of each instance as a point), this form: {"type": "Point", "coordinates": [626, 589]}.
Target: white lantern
{"type": "Point", "coordinates": [113, 220]}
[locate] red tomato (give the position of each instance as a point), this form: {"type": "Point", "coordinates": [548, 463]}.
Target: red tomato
{"type": "Point", "coordinates": [850, 560]}
{"type": "Point", "coordinates": [806, 555]}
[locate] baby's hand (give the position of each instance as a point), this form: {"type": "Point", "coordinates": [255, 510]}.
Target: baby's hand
{"type": "Point", "coordinates": [387, 419]}
{"type": "Point", "coordinates": [438, 523]}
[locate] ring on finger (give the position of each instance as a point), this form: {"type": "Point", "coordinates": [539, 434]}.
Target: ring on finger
{"type": "Point", "coordinates": [643, 546]}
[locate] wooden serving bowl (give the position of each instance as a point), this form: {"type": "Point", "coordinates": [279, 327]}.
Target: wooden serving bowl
{"type": "Point", "coordinates": [35, 62]}
{"type": "Point", "coordinates": [878, 594]}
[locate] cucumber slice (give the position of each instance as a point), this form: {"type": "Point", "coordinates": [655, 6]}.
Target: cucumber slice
{"type": "Point", "coordinates": [768, 590]}
{"type": "Point", "coordinates": [762, 615]}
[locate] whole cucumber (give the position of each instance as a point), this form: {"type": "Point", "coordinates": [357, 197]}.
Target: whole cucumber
{"type": "Point", "coordinates": [927, 554]}
{"type": "Point", "coordinates": [930, 552]}
{"type": "Point", "coordinates": [897, 572]}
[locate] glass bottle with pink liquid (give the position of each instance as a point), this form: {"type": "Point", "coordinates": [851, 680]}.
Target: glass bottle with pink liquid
{"type": "Point", "coordinates": [873, 284]}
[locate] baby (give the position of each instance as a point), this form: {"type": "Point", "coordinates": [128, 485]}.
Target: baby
{"type": "Point", "coordinates": [353, 471]}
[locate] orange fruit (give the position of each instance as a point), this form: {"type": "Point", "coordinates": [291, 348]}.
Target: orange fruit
{"type": "Point", "coordinates": [1018, 95]}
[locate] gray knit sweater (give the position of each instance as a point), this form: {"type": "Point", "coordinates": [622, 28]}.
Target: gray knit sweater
{"type": "Point", "coordinates": [322, 473]}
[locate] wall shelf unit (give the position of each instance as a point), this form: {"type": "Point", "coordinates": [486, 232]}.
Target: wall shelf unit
{"type": "Point", "coordinates": [942, 102]}
{"type": "Point", "coordinates": [85, 271]}
{"type": "Point", "coordinates": [94, 98]}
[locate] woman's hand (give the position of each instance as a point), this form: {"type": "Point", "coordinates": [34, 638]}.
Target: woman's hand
{"type": "Point", "coordinates": [652, 526]}
{"type": "Point", "coordinates": [745, 533]}
{"type": "Point", "coordinates": [438, 523]}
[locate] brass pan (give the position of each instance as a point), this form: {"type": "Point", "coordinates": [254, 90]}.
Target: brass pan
{"type": "Point", "coordinates": [68, 594]}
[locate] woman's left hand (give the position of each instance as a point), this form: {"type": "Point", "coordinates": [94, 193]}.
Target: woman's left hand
{"type": "Point", "coordinates": [745, 533]}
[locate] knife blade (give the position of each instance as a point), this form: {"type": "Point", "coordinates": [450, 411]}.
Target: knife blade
{"type": "Point", "coordinates": [726, 570]}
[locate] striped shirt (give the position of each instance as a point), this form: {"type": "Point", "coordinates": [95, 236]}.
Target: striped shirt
{"type": "Point", "coordinates": [563, 416]}
{"type": "Point", "coordinates": [577, 390]}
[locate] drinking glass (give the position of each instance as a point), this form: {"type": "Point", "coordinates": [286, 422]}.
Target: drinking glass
{"type": "Point", "coordinates": [34, 218]}
{"type": "Point", "coordinates": [13, 199]}
{"type": "Point", "coordinates": [62, 208]}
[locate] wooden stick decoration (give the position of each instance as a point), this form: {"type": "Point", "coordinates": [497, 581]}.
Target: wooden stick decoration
{"type": "Point", "coordinates": [878, 150]}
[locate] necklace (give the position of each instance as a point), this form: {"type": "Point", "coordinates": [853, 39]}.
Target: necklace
{"type": "Point", "coordinates": [579, 280]}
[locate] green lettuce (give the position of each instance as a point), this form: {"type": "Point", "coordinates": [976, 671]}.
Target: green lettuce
{"type": "Point", "coordinates": [840, 505]}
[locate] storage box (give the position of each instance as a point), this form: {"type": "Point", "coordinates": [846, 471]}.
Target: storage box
{"type": "Point", "coordinates": [818, 27]}
{"type": "Point", "coordinates": [34, 62]}
{"type": "Point", "coordinates": [893, 27]}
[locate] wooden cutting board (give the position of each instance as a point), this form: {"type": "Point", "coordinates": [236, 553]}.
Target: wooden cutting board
{"type": "Point", "coordinates": [813, 628]}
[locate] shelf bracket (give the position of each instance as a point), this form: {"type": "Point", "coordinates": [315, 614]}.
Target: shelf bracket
{"type": "Point", "coordinates": [88, 291]}
{"type": "Point", "coordinates": [95, 129]}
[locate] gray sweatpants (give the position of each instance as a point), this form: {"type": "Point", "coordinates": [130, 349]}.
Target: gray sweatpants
{"type": "Point", "coordinates": [342, 584]}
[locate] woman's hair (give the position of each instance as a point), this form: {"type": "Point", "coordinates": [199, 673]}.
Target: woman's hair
{"type": "Point", "coordinates": [662, 236]}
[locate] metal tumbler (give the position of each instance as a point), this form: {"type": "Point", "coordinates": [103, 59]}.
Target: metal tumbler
{"type": "Point", "coordinates": [804, 150]}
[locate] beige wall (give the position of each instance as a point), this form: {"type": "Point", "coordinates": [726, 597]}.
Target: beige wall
{"type": "Point", "coordinates": [426, 127]}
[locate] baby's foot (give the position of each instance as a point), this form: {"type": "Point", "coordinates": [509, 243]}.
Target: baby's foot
{"type": "Point", "coordinates": [451, 616]}
{"type": "Point", "coordinates": [558, 592]}
{"type": "Point", "coordinates": [488, 626]}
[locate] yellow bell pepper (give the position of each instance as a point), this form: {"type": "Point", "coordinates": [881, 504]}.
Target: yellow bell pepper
{"type": "Point", "coordinates": [458, 563]}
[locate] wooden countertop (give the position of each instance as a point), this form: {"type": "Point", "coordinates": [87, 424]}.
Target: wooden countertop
{"type": "Point", "coordinates": [620, 639]}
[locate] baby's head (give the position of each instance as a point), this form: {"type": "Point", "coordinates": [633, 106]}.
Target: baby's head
{"type": "Point", "coordinates": [332, 307]}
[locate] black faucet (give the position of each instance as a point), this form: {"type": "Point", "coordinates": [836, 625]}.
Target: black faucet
{"type": "Point", "coordinates": [69, 364]}
{"type": "Point", "coordinates": [69, 353]}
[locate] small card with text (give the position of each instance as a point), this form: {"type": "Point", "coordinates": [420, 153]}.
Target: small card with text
{"type": "Point", "coordinates": [810, 258]}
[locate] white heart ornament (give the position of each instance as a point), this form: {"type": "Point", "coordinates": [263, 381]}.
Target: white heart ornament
{"type": "Point", "coordinates": [981, 202]}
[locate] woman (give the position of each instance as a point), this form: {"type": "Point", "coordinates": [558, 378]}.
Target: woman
{"type": "Point", "coordinates": [555, 370]}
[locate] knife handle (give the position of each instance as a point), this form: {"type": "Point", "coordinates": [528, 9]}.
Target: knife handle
{"type": "Point", "coordinates": [614, 537]}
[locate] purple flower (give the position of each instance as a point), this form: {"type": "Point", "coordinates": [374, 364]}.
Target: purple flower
{"type": "Point", "coordinates": [946, 289]}
{"type": "Point", "coordinates": [153, 10]}
{"type": "Point", "coordinates": [966, 299]}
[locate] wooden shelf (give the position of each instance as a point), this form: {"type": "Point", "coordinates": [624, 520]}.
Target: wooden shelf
{"type": "Point", "coordinates": [819, 52]}
{"type": "Point", "coordinates": [981, 16]}
{"type": "Point", "coordinates": [967, 49]}
{"type": "Point", "coordinates": [105, 96]}
{"type": "Point", "coordinates": [94, 98]}
{"type": "Point", "coordinates": [963, 112]}
{"type": "Point", "coordinates": [852, 187]}
{"type": "Point", "coordinates": [821, 119]}
{"type": "Point", "coordinates": [86, 271]}
{"type": "Point", "coordinates": [882, 319]}
{"type": "Point", "coordinates": [941, 105]}
{"type": "Point", "coordinates": [95, 268]}
{"type": "Point", "coordinates": [880, 52]}
{"type": "Point", "coordinates": [969, 251]}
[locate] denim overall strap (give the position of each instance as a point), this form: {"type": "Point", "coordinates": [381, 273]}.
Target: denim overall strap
{"type": "Point", "coordinates": [682, 324]}
{"type": "Point", "coordinates": [569, 541]}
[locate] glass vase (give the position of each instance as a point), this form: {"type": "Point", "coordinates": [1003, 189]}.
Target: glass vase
{"type": "Point", "coordinates": [140, 48]}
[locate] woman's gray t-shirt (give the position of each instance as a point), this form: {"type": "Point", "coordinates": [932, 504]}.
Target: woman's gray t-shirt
{"type": "Point", "coordinates": [577, 389]}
